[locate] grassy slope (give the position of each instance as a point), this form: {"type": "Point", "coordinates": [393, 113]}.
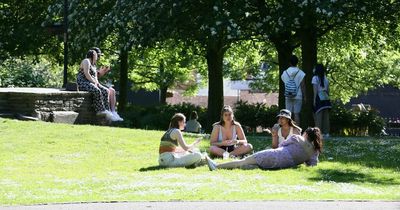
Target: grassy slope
{"type": "Point", "coordinates": [48, 163]}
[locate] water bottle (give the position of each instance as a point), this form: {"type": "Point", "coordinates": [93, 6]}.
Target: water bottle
{"type": "Point", "coordinates": [225, 155]}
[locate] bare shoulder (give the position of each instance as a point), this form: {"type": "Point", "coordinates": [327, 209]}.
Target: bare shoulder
{"type": "Point", "coordinates": [237, 124]}
{"type": "Point", "coordinates": [296, 130]}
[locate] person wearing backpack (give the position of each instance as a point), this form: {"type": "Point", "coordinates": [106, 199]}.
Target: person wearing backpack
{"type": "Point", "coordinates": [293, 78]}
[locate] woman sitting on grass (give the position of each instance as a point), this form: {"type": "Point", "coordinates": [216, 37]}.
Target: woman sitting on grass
{"type": "Point", "coordinates": [174, 152]}
{"type": "Point", "coordinates": [227, 135]}
{"type": "Point", "coordinates": [284, 128]}
{"type": "Point", "coordinates": [292, 152]}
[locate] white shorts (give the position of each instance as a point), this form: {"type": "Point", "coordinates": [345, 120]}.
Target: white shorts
{"type": "Point", "coordinates": [171, 159]}
{"type": "Point", "coordinates": [293, 105]}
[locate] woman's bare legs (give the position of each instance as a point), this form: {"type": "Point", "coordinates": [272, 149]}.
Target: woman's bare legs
{"type": "Point", "coordinates": [242, 149]}
{"type": "Point", "coordinates": [246, 163]}
{"type": "Point", "coordinates": [112, 99]}
{"type": "Point", "coordinates": [239, 163]}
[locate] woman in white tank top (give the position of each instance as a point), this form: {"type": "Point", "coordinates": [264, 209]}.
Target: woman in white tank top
{"type": "Point", "coordinates": [227, 135]}
{"type": "Point", "coordinates": [284, 128]}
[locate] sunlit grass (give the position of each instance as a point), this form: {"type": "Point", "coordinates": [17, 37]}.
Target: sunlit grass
{"type": "Point", "coordinates": [52, 163]}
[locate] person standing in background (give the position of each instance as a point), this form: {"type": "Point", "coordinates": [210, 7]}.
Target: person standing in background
{"type": "Point", "coordinates": [321, 101]}
{"type": "Point", "coordinates": [293, 77]}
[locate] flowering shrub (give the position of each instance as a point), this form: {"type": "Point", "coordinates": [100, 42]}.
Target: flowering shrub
{"type": "Point", "coordinates": [353, 123]}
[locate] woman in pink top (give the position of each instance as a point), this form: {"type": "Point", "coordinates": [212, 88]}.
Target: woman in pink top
{"type": "Point", "coordinates": [291, 152]}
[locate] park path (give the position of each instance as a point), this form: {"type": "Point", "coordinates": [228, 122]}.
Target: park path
{"type": "Point", "coordinates": [259, 205]}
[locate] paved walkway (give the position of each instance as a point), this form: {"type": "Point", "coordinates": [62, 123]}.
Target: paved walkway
{"type": "Point", "coordinates": [268, 205]}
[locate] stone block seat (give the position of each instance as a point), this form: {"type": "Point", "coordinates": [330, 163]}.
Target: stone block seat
{"type": "Point", "coordinates": [49, 104]}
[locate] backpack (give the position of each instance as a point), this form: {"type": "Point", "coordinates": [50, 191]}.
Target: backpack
{"type": "Point", "coordinates": [291, 87]}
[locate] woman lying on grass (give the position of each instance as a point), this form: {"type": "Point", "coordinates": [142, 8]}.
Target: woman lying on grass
{"type": "Point", "coordinates": [174, 152]}
{"type": "Point", "coordinates": [291, 152]}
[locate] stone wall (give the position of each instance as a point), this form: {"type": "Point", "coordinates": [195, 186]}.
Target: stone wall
{"type": "Point", "coordinates": [45, 104]}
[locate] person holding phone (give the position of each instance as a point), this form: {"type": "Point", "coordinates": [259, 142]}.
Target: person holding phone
{"type": "Point", "coordinates": [174, 151]}
{"type": "Point", "coordinates": [111, 91]}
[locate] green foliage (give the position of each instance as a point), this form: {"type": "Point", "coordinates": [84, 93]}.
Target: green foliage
{"type": "Point", "coordinates": [359, 59]}
{"type": "Point", "coordinates": [254, 115]}
{"type": "Point", "coordinates": [353, 123]}
{"type": "Point", "coordinates": [28, 73]}
{"type": "Point", "coordinates": [165, 65]}
{"type": "Point", "coordinates": [158, 117]}
{"type": "Point", "coordinates": [21, 30]}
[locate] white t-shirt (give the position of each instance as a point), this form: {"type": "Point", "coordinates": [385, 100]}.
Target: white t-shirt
{"type": "Point", "coordinates": [298, 79]}
{"type": "Point", "coordinates": [316, 81]}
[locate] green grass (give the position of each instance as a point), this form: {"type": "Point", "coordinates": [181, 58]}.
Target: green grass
{"type": "Point", "coordinates": [53, 163]}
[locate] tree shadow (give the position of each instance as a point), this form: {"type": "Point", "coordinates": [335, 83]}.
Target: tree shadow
{"type": "Point", "coordinates": [351, 176]}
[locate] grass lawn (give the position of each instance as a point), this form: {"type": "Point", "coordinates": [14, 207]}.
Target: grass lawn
{"type": "Point", "coordinates": [53, 163]}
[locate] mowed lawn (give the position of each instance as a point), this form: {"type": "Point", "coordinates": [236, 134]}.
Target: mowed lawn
{"type": "Point", "coordinates": [57, 163]}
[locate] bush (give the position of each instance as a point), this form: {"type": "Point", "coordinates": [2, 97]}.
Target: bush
{"type": "Point", "coordinates": [254, 115]}
{"type": "Point", "coordinates": [26, 73]}
{"type": "Point", "coordinates": [347, 122]}
{"type": "Point", "coordinates": [158, 117]}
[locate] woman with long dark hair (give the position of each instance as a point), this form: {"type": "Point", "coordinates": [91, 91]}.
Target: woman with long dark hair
{"type": "Point", "coordinates": [285, 128]}
{"type": "Point", "coordinates": [321, 103]}
{"type": "Point", "coordinates": [292, 152]}
{"type": "Point", "coordinates": [174, 151]}
{"type": "Point", "coordinates": [87, 81]}
{"type": "Point", "coordinates": [228, 136]}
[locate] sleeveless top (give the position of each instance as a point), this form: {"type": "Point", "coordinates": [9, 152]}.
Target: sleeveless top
{"type": "Point", "coordinates": [81, 78]}
{"type": "Point", "coordinates": [234, 136]}
{"type": "Point", "coordinates": [280, 136]}
{"type": "Point", "coordinates": [168, 144]}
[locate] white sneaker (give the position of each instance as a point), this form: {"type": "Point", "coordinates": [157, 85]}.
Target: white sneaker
{"type": "Point", "coordinates": [211, 164]}
{"type": "Point", "coordinates": [110, 116]}
{"type": "Point", "coordinates": [116, 115]}
{"type": "Point", "coordinates": [102, 113]}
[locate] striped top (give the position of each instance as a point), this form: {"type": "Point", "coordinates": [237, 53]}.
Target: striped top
{"type": "Point", "coordinates": [169, 141]}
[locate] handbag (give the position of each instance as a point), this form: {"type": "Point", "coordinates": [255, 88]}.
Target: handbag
{"type": "Point", "coordinates": [323, 95]}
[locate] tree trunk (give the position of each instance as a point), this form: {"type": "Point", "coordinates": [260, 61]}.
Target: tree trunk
{"type": "Point", "coordinates": [309, 60]}
{"type": "Point", "coordinates": [214, 58]}
{"type": "Point", "coordinates": [123, 80]}
{"type": "Point", "coordinates": [284, 53]}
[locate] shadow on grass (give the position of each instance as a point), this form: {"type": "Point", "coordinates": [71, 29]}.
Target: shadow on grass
{"type": "Point", "coordinates": [152, 168]}
{"type": "Point", "coordinates": [351, 176]}
{"type": "Point", "coordinates": [157, 168]}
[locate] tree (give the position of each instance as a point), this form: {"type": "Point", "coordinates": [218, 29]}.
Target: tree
{"type": "Point", "coordinates": [210, 25]}
{"type": "Point", "coordinates": [21, 31]}
{"type": "Point", "coordinates": [359, 59]}
{"type": "Point", "coordinates": [91, 24]}
{"type": "Point", "coordinates": [289, 24]}
{"type": "Point", "coordinates": [164, 66]}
